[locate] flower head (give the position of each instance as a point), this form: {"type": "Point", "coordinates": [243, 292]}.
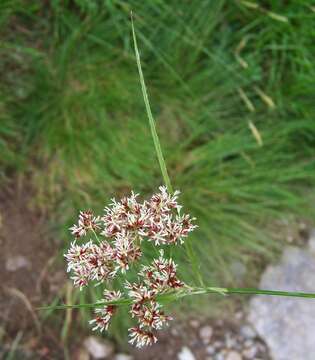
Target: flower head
{"type": "Point", "coordinates": [87, 221]}
{"type": "Point", "coordinates": [127, 250]}
{"type": "Point", "coordinates": [90, 262]}
{"type": "Point", "coordinates": [161, 274]}
{"type": "Point", "coordinates": [104, 314]}
{"type": "Point", "coordinates": [122, 229]}
{"type": "Point", "coordinates": [141, 337]}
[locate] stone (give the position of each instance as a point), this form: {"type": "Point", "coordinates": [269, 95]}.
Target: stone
{"type": "Point", "coordinates": [219, 356]}
{"type": "Point", "coordinates": [239, 315]}
{"type": "Point", "coordinates": [210, 350]}
{"type": "Point", "coordinates": [98, 348]}
{"type": "Point", "coordinates": [205, 334]}
{"type": "Point", "coordinates": [17, 262]}
{"type": "Point", "coordinates": [185, 354]}
{"type": "Point", "coordinates": [287, 325]}
{"type": "Point", "coordinates": [250, 352]}
{"type": "Point", "coordinates": [247, 332]}
{"type": "Point", "coordinates": [218, 344]}
{"type": "Point", "coordinates": [123, 357]}
{"type": "Point", "coordinates": [233, 355]}
{"type": "Point", "coordinates": [230, 340]}
{"type": "Point", "coordinates": [194, 323]}
{"type": "Point", "coordinates": [311, 241]}
{"type": "Point", "coordinates": [248, 343]}
{"type": "Point", "coordinates": [174, 332]}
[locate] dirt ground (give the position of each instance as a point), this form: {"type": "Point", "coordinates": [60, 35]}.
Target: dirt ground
{"type": "Point", "coordinates": [27, 254]}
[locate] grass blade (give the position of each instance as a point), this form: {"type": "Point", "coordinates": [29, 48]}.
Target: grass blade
{"type": "Point", "coordinates": [155, 137]}
{"type": "Point", "coordinates": [158, 149]}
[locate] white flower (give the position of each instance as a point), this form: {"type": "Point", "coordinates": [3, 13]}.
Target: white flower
{"type": "Point", "coordinates": [122, 229]}
{"type": "Point", "coordinates": [126, 250]}
{"type": "Point", "coordinates": [87, 221]}
{"type": "Point", "coordinates": [141, 337]}
{"type": "Point", "coordinates": [161, 274]}
{"type": "Point", "coordinates": [105, 313]}
{"type": "Point", "coordinates": [90, 262]}
{"type": "Point", "coordinates": [140, 292]}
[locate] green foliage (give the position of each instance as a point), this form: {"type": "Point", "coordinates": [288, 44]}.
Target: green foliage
{"type": "Point", "coordinates": [231, 89]}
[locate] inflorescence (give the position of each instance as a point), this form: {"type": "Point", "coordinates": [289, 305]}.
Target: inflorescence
{"type": "Point", "coordinates": [119, 234]}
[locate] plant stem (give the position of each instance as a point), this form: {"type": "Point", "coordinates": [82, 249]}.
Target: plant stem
{"type": "Point", "coordinates": [250, 291]}
{"type": "Point", "coordinates": [190, 292]}
{"type": "Point", "coordinates": [97, 238]}
{"type": "Point", "coordinates": [155, 137]}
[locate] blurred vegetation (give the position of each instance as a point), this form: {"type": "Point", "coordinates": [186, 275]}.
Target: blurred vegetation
{"type": "Point", "coordinates": [231, 85]}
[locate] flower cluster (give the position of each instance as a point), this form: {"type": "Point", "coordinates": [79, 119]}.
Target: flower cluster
{"type": "Point", "coordinates": [105, 313]}
{"type": "Point", "coordinates": [118, 234]}
{"type": "Point", "coordinates": [156, 220]}
{"type": "Point", "coordinates": [91, 262]}
{"type": "Point", "coordinates": [157, 278]}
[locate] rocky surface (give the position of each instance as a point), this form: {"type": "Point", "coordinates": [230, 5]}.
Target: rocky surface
{"type": "Point", "coordinates": [185, 354]}
{"type": "Point", "coordinates": [98, 348]}
{"type": "Point", "coordinates": [286, 324]}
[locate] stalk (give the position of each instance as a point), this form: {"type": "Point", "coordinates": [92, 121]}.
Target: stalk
{"type": "Point", "coordinates": [190, 291]}
{"type": "Point", "coordinates": [155, 137]}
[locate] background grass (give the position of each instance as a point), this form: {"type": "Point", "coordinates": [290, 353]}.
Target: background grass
{"type": "Point", "coordinates": [231, 85]}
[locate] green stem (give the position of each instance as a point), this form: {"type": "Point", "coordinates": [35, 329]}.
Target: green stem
{"type": "Point", "coordinates": [271, 292]}
{"type": "Point", "coordinates": [249, 291]}
{"type": "Point", "coordinates": [190, 292]}
{"type": "Point", "coordinates": [97, 238]}
{"type": "Point", "coordinates": [155, 137]}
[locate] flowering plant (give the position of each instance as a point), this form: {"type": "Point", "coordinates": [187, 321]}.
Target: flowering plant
{"type": "Point", "coordinates": [118, 237]}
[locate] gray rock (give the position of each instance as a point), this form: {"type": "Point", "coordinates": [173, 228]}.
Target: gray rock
{"type": "Point", "coordinates": [205, 334]}
{"type": "Point", "coordinates": [247, 332]}
{"type": "Point", "coordinates": [287, 325]}
{"type": "Point", "coordinates": [210, 350]}
{"type": "Point", "coordinates": [230, 340]}
{"type": "Point", "coordinates": [311, 241]}
{"type": "Point", "coordinates": [219, 356]}
{"type": "Point", "coordinates": [248, 343]}
{"type": "Point", "coordinates": [123, 357]}
{"type": "Point", "coordinates": [17, 262]}
{"type": "Point", "coordinates": [218, 344]}
{"type": "Point", "coordinates": [250, 352]}
{"type": "Point", "coordinates": [233, 355]}
{"type": "Point", "coordinates": [194, 323]}
{"type": "Point", "coordinates": [239, 315]}
{"type": "Point", "coordinates": [98, 348]}
{"type": "Point", "coordinates": [185, 354]}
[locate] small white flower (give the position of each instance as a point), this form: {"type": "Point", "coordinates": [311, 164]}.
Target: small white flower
{"type": "Point", "coordinates": [122, 229]}
{"type": "Point", "coordinates": [87, 221]}
{"type": "Point", "coordinates": [141, 337]}
{"type": "Point", "coordinates": [105, 313]}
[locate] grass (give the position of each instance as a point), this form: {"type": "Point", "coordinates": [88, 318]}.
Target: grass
{"type": "Point", "coordinates": [230, 86]}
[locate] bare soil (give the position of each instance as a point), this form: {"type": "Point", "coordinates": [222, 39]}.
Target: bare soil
{"type": "Point", "coordinates": [27, 254]}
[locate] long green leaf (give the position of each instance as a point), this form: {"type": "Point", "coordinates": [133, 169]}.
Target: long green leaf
{"type": "Point", "coordinates": [155, 137]}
